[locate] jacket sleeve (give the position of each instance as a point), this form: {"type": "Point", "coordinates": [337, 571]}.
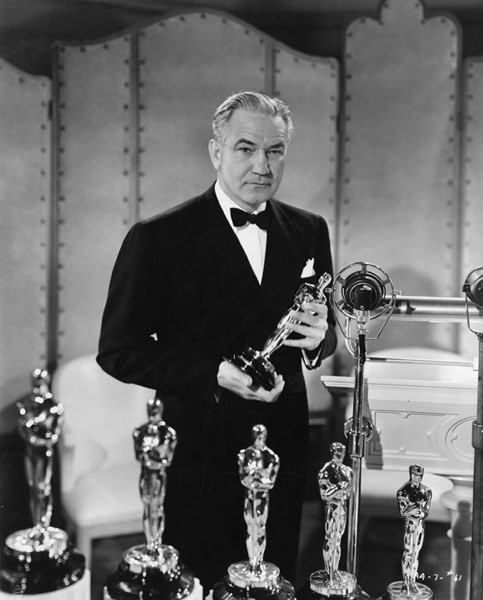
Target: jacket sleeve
{"type": "Point", "coordinates": [135, 346]}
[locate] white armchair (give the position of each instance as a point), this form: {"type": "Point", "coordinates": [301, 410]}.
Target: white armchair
{"type": "Point", "coordinates": [99, 472]}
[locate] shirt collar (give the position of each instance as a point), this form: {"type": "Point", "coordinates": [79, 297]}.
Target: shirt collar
{"type": "Point", "coordinates": [226, 203]}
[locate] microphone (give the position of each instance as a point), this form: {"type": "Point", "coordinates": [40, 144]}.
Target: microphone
{"type": "Point", "coordinates": [362, 292]}
{"type": "Point", "coordinates": [473, 289]}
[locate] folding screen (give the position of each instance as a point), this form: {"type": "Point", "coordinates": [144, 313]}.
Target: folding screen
{"type": "Point", "coordinates": [133, 125]}
{"type": "Point", "coordinates": [399, 189]}
{"type": "Point", "coordinates": [24, 243]}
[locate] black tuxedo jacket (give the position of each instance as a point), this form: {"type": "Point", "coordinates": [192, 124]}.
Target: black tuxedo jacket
{"type": "Point", "coordinates": [183, 296]}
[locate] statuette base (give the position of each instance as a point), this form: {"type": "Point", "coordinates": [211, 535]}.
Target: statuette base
{"type": "Point", "coordinates": [242, 575]}
{"type": "Point", "coordinates": [36, 561]}
{"type": "Point", "coordinates": [397, 590]}
{"type": "Point", "coordinates": [241, 583]}
{"type": "Point", "coordinates": [253, 363]}
{"type": "Point", "coordinates": [151, 575]}
{"type": "Point", "coordinates": [51, 540]}
{"type": "Point", "coordinates": [341, 584]}
{"type": "Point", "coordinates": [306, 593]}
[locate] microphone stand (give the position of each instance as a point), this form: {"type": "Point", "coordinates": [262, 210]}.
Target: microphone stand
{"type": "Point", "coordinates": [358, 430]}
{"type": "Point", "coordinates": [473, 288]}
{"type": "Point", "coordinates": [360, 292]}
{"type": "Point", "coordinates": [476, 584]}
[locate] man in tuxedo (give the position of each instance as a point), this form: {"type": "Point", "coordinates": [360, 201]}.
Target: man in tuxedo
{"type": "Point", "coordinates": [196, 284]}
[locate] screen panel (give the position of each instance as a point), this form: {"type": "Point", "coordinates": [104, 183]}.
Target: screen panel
{"type": "Point", "coordinates": [24, 238]}
{"type": "Point", "coordinates": [310, 86]}
{"type": "Point", "coordinates": [399, 187]}
{"type": "Point", "coordinates": [93, 183]}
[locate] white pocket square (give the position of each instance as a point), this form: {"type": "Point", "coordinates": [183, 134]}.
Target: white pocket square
{"type": "Point", "coordinates": [308, 270]}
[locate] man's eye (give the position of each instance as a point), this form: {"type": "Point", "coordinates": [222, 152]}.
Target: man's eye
{"type": "Point", "coordinates": [276, 152]}
{"type": "Point", "coordinates": [245, 149]}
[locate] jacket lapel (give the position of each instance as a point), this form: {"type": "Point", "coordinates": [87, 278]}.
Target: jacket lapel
{"type": "Point", "coordinates": [229, 263]}
{"type": "Point", "coordinates": [282, 260]}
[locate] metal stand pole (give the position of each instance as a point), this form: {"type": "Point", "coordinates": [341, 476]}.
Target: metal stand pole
{"type": "Point", "coordinates": [358, 430]}
{"type": "Point", "coordinates": [476, 588]}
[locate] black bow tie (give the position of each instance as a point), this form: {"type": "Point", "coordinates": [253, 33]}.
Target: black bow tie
{"type": "Point", "coordinates": [240, 218]}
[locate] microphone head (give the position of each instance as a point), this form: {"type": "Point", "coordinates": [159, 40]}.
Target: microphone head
{"type": "Point", "coordinates": [473, 286]}
{"type": "Point", "coordinates": [363, 291]}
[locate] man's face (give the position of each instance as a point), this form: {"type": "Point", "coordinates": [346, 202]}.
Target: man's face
{"type": "Point", "coordinates": [251, 159]}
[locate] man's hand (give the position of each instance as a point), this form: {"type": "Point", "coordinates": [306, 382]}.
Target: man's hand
{"type": "Point", "coordinates": [233, 379]}
{"type": "Point", "coordinates": [311, 325]}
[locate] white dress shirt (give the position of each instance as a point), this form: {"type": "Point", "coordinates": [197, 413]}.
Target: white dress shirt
{"type": "Point", "coordinates": [252, 239]}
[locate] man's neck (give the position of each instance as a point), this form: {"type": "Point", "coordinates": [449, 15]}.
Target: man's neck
{"type": "Point", "coordinates": [226, 202]}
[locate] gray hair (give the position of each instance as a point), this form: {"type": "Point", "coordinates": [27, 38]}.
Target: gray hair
{"type": "Point", "coordinates": [254, 102]}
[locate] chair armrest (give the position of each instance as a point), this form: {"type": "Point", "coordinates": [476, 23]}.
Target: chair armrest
{"type": "Point", "coordinates": [78, 455]}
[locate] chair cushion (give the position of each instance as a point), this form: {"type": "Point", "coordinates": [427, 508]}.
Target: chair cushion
{"type": "Point", "coordinates": [106, 496]}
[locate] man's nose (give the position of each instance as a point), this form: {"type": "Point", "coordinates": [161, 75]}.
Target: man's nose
{"type": "Point", "coordinates": [261, 165]}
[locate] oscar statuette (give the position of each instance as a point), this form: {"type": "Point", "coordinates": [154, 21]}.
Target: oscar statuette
{"type": "Point", "coordinates": [256, 363]}
{"type": "Point", "coordinates": [335, 484]}
{"type": "Point", "coordinates": [153, 570]}
{"type": "Point", "coordinates": [40, 559]}
{"type": "Point", "coordinates": [414, 502]}
{"type": "Point", "coordinates": [255, 578]}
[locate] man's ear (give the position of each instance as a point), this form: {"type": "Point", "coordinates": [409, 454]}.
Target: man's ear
{"type": "Point", "coordinates": [215, 150]}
